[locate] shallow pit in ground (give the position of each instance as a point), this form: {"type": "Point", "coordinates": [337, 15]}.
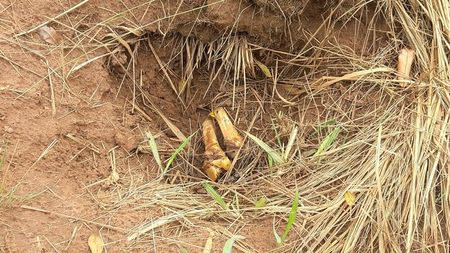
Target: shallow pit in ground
{"type": "Point", "coordinates": [178, 79]}
{"type": "Point", "coordinates": [159, 68]}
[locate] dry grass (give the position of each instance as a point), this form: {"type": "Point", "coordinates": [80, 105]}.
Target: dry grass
{"type": "Point", "coordinates": [393, 154]}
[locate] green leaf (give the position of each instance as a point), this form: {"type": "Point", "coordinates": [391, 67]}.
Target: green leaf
{"type": "Point", "coordinates": [328, 123]}
{"type": "Point", "coordinates": [154, 149]}
{"type": "Point", "coordinates": [277, 158]}
{"type": "Point", "coordinates": [178, 151]}
{"type": "Point", "coordinates": [261, 202]}
{"type": "Point", "coordinates": [228, 247]}
{"type": "Point", "coordinates": [292, 217]}
{"type": "Point", "coordinates": [329, 139]}
{"type": "Point", "coordinates": [215, 195]}
{"type": "Point", "coordinates": [270, 161]}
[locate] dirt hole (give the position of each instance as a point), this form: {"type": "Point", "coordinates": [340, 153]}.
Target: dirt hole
{"type": "Point", "coordinates": [184, 78]}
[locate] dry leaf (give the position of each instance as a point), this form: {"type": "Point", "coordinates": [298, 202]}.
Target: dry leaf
{"type": "Point", "coordinates": [264, 69]}
{"type": "Point", "coordinates": [350, 198]}
{"type": "Point", "coordinates": [95, 243]}
{"type": "Point", "coordinates": [182, 85]}
{"type": "Point", "coordinates": [209, 243]}
{"type": "Point", "coordinates": [48, 34]}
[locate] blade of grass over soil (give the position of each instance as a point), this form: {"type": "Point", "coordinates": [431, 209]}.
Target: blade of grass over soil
{"type": "Point", "coordinates": [328, 141]}
{"type": "Point", "coordinates": [178, 151]}
{"type": "Point", "coordinates": [215, 195]}
{"type": "Point", "coordinates": [275, 234]}
{"type": "Point", "coordinates": [277, 158]}
{"type": "Point", "coordinates": [291, 219]}
{"type": "Point", "coordinates": [290, 223]}
{"type": "Point", "coordinates": [154, 149]}
{"type": "Point", "coordinates": [228, 246]}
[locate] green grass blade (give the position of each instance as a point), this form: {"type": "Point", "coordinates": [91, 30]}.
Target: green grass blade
{"type": "Point", "coordinates": [277, 158]}
{"type": "Point", "coordinates": [261, 202]}
{"type": "Point", "coordinates": [326, 125]}
{"type": "Point", "coordinates": [215, 195]}
{"type": "Point", "coordinates": [277, 134]}
{"type": "Point", "coordinates": [228, 246]}
{"type": "Point", "coordinates": [291, 219]}
{"type": "Point", "coordinates": [329, 139]}
{"type": "Point", "coordinates": [178, 151]}
{"type": "Point", "coordinates": [270, 161]}
{"type": "Point", "coordinates": [154, 149]}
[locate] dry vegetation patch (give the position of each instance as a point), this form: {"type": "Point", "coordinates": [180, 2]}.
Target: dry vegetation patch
{"type": "Point", "coordinates": [322, 124]}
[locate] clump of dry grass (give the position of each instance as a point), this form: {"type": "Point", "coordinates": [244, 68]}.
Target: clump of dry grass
{"type": "Point", "coordinates": [393, 157]}
{"type": "Point", "coordinates": [229, 56]}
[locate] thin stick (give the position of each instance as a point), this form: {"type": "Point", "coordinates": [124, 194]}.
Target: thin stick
{"type": "Point", "coordinates": [172, 127]}
{"type": "Point", "coordinates": [58, 16]}
{"type": "Point", "coordinates": [161, 65]}
{"type": "Point", "coordinates": [51, 244]}
{"type": "Point", "coordinates": [52, 91]}
{"type": "Point", "coordinates": [45, 152]}
{"type": "Point", "coordinates": [73, 218]}
{"type": "Point", "coordinates": [84, 143]}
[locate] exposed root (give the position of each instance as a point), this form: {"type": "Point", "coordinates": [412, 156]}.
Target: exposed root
{"type": "Point", "coordinates": [215, 159]}
{"type": "Point", "coordinates": [233, 140]}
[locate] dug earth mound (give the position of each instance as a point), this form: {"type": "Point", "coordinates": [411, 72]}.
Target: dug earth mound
{"type": "Point", "coordinates": [290, 26]}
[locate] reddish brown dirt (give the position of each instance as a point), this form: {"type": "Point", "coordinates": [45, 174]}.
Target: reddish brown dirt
{"type": "Point", "coordinates": [91, 107]}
